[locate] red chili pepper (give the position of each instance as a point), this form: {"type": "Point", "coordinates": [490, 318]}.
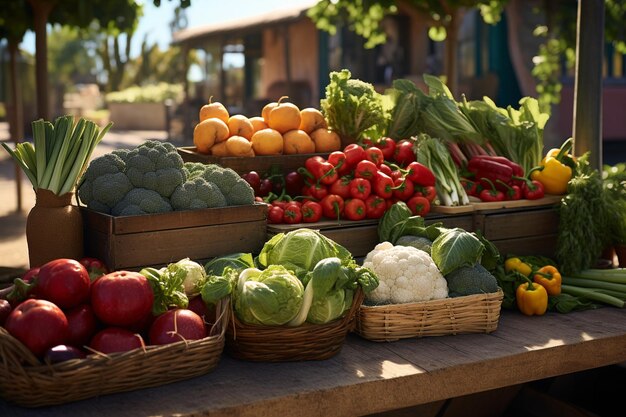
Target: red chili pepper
{"type": "Point", "coordinates": [420, 174]}
{"type": "Point", "coordinates": [332, 206]}
{"type": "Point", "coordinates": [491, 194]}
{"type": "Point", "coordinates": [376, 206]}
{"type": "Point", "coordinates": [360, 188]}
{"type": "Point", "coordinates": [311, 212]}
{"type": "Point", "coordinates": [513, 192]}
{"type": "Point", "coordinates": [403, 189]}
{"type": "Point", "coordinates": [341, 187]}
{"type": "Point", "coordinates": [531, 189]}
{"type": "Point", "coordinates": [355, 209]}
{"type": "Point", "coordinates": [382, 185]}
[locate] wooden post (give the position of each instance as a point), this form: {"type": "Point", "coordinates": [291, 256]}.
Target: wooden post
{"type": "Point", "coordinates": [41, 11]}
{"type": "Point", "coordinates": [17, 119]}
{"type": "Point", "coordinates": [588, 81]}
{"type": "Point", "coordinates": [287, 54]}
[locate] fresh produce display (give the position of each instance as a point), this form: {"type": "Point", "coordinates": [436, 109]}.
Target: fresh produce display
{"type": "Point", "coordinates": [152, 178]}
{"type": "Point", "coordinates": [281, 129]}
{"type": "Point", "coordinates": [60, 152]}
{"type": "Point", "coordinates": [354, 184]}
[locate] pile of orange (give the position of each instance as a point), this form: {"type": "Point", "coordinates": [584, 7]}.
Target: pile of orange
{"type": "Point", "coordinates": [282, 128]}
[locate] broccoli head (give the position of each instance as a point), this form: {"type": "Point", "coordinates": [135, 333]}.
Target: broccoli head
{"type": "Point", "coordinates": [236, 190]}
{"type": "Point", "coordinates": [104, 183]}
{"type": "Point", "coordinates": [197, 193]}
{"type": "Point", "coordinates": [194, 169]}
{"type": "Point", "coordinates": [468, 280]}
{"type": "Point", "coordinates": [141, 201]}
{"type": "Point", "coordinates": [155, 166]}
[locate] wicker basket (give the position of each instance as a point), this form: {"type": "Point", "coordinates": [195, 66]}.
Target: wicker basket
{"type": "Point", "coordinates": [478, 313]}
{"type": "Point", "coordinates": [284, 344]}
{"type": "Point", "coordinates": [27, 382]}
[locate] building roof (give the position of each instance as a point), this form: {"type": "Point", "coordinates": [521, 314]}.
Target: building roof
{"type": "Point", "coordinates": [197, 35]}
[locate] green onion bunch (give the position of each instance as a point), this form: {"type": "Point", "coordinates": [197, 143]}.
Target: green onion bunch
{"type": "Point", "coordinates": [60, 153]}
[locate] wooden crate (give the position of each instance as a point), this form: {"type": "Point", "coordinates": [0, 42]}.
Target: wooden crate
{"type": "Point", "coordinates": [131, 242]}
{"type": "Point", "coordinates": [242, 165]}
{"type": "Point", "coordinates": [523, 231]}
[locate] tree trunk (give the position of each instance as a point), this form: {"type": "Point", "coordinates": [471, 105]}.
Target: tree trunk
{"type": "Point", "coordinates": [451, 48]}
{"type": "Point", "coordinates": [17, 118]}
{"type": "Point", "coordinates": [41, 11]}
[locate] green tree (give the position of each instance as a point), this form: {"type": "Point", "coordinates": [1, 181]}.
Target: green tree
{"type": "Point", "coordinates": [444, 18]}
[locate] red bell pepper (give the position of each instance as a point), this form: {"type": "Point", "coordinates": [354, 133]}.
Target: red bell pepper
{"type": "Point", "coordinates": [491, 194]}
{"type": "Point", "coordinates": [420, 174]}
{"type": "Point", "coordinates": [332, 206]}
{"type": "Point", "coordinates": [382, 185]}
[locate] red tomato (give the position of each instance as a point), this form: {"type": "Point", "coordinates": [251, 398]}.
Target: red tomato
{"type": "Point", "coordinates": [354, 154]}
{"type": "Point", "coordinates": [365, 169]}
{"type": "Point", "coordinates": [404, 154]}
{"type": "Point", "coordinates": [420, 206]}
{"type": "Point", "coordinates": [429, 192]}
{"type": "Point", "coordinates": [5, 310]}
{"type": "Point", "coordinates": [311, 212]}
{"type": "Point", "coordinates": [382, 185]}
{"type": "Point", "coordinates": [122, 298]}
{"type": "Point", "coordinates": [95, 267]}
{"type": "Point", "coordinates": [385, 169]}
{"type": "Point", "coordinates": [339, 161]}
{"type": "Point", "coordinates": [332, 206]}
{"type": "Point", "coordinates": [341, 187]}
{"type": "Point", "coordinates": [360, 188]}
{"type": "Point", "coordinates": [375, 155]}
{"type": "Point", "coordinates": [38, 324]}
{"type": "Point", "coordinates": [115, 339]}
{"type": "Point", "coordinates": [275, 215]}
{"type": "Point", "coordinates": [403, 188]}
{"type": "Point", "coordinates": [82, 325]}
{"type": "Point", "coordinates": [292, 214]}
{"type": "Point", "coordinates": [206, 312]}
{"type": "Point", "coordinates": [355, 209]}
{"type": "Point", "coordinates": [176, 325]}
{"type": "Point", "coordinates": [376, 206]}
{"type": "Point", "coordinates": [388, 146]}
{"type": "Point", "coordinates": [65, 282]}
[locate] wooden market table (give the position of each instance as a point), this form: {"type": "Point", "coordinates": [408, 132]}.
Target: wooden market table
{"type": "Point", "coordinates": [369, 377]}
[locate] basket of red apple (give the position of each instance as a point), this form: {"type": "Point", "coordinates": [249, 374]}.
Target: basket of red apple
{"type": "Point", "coordinates": [67, 336]}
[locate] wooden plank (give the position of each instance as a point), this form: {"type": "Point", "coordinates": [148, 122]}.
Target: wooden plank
{"type": "Point", "coordinates": [548, 200]}
{"type": "Point", "coordinates": [200, 242]}
{"type": "Point", "coordinates": [544, 245]}
{"type": "Point", "coordinates": [521, 224]}
{"type": "Point", "coordinates": [367, 377]}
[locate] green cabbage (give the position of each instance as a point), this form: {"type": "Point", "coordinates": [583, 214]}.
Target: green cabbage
{"type": "Point", "coordinates": [456, 248]}
{"type": "Point", "coordinates": [300, 250]}
{"type": "Point", "coordinates": [270, 297]}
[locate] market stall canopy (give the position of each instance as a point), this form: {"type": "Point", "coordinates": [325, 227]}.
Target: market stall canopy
{"type": "Point", "coordinates": [195, 37]}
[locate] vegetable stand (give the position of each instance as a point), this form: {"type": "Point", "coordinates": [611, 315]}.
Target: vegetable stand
{"type": "Point", "coordinates": [367, 377]}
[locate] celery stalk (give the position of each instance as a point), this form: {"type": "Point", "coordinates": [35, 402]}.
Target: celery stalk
{"type": "Point", "coordinates": [55, 184]}
{"type": "Point", "coordinates": [56, 141]}
{"type": "Point", "coordinates": [617, 275]}
{"type": "Point", "coordinates": [592, 295]}
{"type": "Point", "coordinates": [21, 163]}
{"type": "Point", "coordinates": [83, 155]}
{"type": "Point", "coordinates": [593, 283]}
{"type": "Point", "coordinates": [75, 141]}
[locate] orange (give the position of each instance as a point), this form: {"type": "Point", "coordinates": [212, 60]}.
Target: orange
{"type": "Point", "coordinates": [215, 109]}
{"type": "Point", "coordinates": [267, 142]}
{"type": "Point", "coordinates": [265, 113]}
{"type": "Point", "coordinates": [312, 119]}
{"type": "Point", "coordinates": [240, 125]}
{"type": "Point", "coordinates": [258, 123]}
{"type": "Point", "coordinates": [298, 141]}
{"type": "Point", "coordinates": [208, 132]}
{"type": "Point", "coordinates": [238, 146]}
{"type": "Point", "coordinates": [284, 116]}
{"type": "Point", "coordinates": [326, 140]}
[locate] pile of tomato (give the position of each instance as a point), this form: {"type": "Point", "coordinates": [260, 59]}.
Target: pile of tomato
{"type": "Point", "coordinates": [356, 183]}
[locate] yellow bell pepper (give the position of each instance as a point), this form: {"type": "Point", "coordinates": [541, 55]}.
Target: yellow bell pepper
{"type": "Point", "coordinates": [550, 278]}
{"type": "Point", "coordinates": [554, 172]}
{"type": "Point", "coordinates": [516, 264]}
{"type": "Point", "coordinates": [532, 299]}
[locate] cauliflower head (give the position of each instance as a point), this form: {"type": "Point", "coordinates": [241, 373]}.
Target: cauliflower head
{"type": "Point", "coordinates": [406, 275]}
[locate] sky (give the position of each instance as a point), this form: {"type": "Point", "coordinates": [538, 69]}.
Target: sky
{"type": "Point", "coordinates": [155, 20]}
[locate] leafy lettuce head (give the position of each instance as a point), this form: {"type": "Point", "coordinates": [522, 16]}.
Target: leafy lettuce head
{"type": "Point", "coordinates": [271, 297]}
{"type": "Point", "coordinates": [300, 250]}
